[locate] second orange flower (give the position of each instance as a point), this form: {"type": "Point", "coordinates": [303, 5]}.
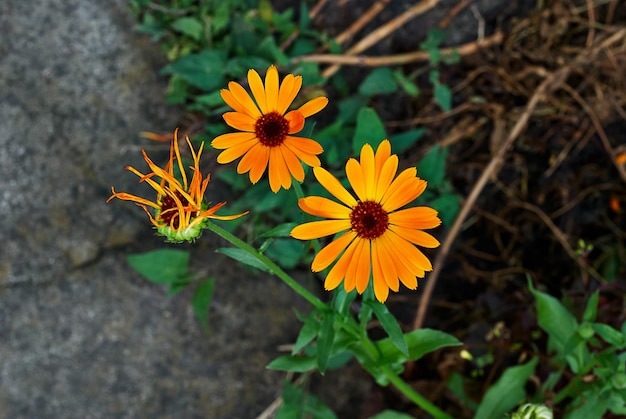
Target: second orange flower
{"type": "Point", "coordinates": [265, 140]}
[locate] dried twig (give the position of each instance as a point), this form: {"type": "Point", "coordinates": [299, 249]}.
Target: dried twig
{"type": "Point", "coordinates": [398, 59]}
{"type": "Point", "coordinates": [384, 31]}
{"type": "Point", "coordinates": [370, 14]}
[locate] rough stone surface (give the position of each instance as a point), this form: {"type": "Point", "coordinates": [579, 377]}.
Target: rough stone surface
{"type": "Point", "coordinates": [82, 335]}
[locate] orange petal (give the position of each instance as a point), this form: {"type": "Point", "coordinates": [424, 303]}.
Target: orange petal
{"type": "Point", "coordinates": [332, 185]}
{"type": "Point", "coordinates": [363, 267]}
{"type": "Point", "coordinates": [324, 207]}
{"type": "Point", "coordinates": [305, 145]}
{"type": "Point", "coordinates": [383, 152]}
{"type": "Point", "coordinates": [231, 139]}
{"type": "Point", "coordinates": [386, 260]}
{"type": "Point", "coordinates": [271, 88]}
{"type": "Point", "coordinates": [349, 281]}
{"type": "Point", "coordinates": [385, 176]}
{"type": "Point", "coordinates": [296, 121]}
{"type": "Point", "coordinates": [421, 218]}
{"type": "Point", "coordinates": [244, 99]}
{"type": "Point", "coordinates": [235, 152]}
{"type": "Point", "coordinates": [368, 171]}
{"type": "Point", "coordinates": [381, 289]}
{"type": "Point", "coordinates": [250, 159]}
{"type": "Point", "coordinates": [261, 159]}
{"type": "Point", "coordinates": [313, 106]}
{"type": "Point", "coordinates": [331, 252]}
{"type": "Point", "coordinates": [417, 237]}
{"type": "Point", "coordinates": [338, 272]}
{"type": "Point", "coordinates": [293, 164]}
{"type": "Point", "coordinates": [258, 91]}
{"type": "Point", "coordinates": [400, 194]}
{"type": "Point", "coordinates": [240, 121]}
{"type": "Point", "coordinates": [317, 229]}
{"type": "Point", "coordinates": [231, 101]}
{"type": "Point", "coordinates": [288, 90]}
{"type": "Point", "coordinates": [355, 177]}
{"type": "Point", "coordinates": [411, 256]}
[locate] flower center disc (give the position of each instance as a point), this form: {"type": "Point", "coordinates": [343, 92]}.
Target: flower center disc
{"type": "Point", "coordinates": [169, 210]}
{"type": "Point", "coordinates": [369, 220]}
{"type": "Point", "coordinates": [271, 129]}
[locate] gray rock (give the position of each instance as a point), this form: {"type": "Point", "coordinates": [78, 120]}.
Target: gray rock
{"type": "Point", "coordinates": [81, 334]}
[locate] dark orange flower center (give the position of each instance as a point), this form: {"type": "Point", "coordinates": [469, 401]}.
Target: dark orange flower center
{"type": "Point", "coordinates": [271, 129]}
{"type": "Point", "coordinates": [169, 210]}
{"type": "Point", "coordinates": [369, 220]}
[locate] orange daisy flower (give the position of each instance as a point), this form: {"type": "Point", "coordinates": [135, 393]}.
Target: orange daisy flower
{"type": "Point", "coordinates": [265, 138]}
{"type": "Point", "coordinates": [378, 238]}
{"type": "Point", "coordinates": [180, 210]}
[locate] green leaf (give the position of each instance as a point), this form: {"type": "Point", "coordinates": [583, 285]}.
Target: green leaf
{"type": "Point", "coordinates": [161, 266]}
{"type": "Point", "coordinates": [391, 414]}
{"type": "Point", "coordinates": [443, 96]}
{"type": "Point", "coordinates": [299, 404]}
{"type": "Point", "coordinates": [448, 206]}
{"type": "Point", "coordinates": [369, 129]}
{"type": "Point", "coordinates": [554, 318]}
{"type": "Point", "coordinates": [282, 230]}
{"type": "Point", "coordinates": [432, 167]}
{"type": "Point", "coordinates": [507, 392]}
{"type": "Point", "coordinates": [420, 342]}
{"type": "Point", "coordinates": [611, 336]}
{"type": "Point", "coordinates": [406, 84]}
{"type": "Point", "coordinates": [325, 340]}
{"type": "Point", "coordinates": [244, 257]}
{"type": "Point", "coordinates": [592, 308]}
{"type": "Point", "coordinates": [204, 70]}
{"type": "Point", "coordinates": [201, 301]}
{"type": "Point", "coordinates": [405, 140]}
{"type": "Point", "coordinates": [286, 252]}
{"type": "Point", "coordinates": [342, 300]}
{"type": "Point", "coordinates": [390, 325]}
{"type": "Point", "coordinates": [189, 26]}
{"type": "Point", "coordinates": [293, 363]}
{"type": "Point", "coordinates": [379, 81]}
{"type": "Point", "coordinates": [308, 332]}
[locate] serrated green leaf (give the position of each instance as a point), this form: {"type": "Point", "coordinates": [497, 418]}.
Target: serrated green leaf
{"type": "Point", "coordinates": [390, 325]}
{"type": "Point", "coordinates": [243, 257]}
{"type": "Point", "coordinates": [285, 252]}
{"type": "Point", "coordinates": [201, 301]}
{"type": "Point", "coordinates": [379, 81]}
{"type": "Point", "coordinates": [406, 84]}
{"type": "Point", "coordinates": [161, 266]}
{"type": "Point", "coordinates": [369, 129]}
{"type": "Point", "coordinates": [507, 392]}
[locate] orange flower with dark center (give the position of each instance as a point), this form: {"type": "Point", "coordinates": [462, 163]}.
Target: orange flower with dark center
{"type": "Point", "coordinates": [376, 239]}
{"type": "Point", "coordinates": [180, 211]}
{"type": "Point", "coordinates": [265, 140]}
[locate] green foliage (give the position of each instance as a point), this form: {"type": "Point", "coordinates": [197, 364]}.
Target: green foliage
{"type": "Point", "coordinates": [299, 404]}
{"type": "Point", "coordinates": [507, 392]}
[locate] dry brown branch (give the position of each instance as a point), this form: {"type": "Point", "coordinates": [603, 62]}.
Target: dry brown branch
{"type": "Point", "coordinates": [370, 14]}
{"type": "Point", "coordinates": [384, 31]}
{"type": "Point", "coordinates": [398, 59]}
{"type": "Point", "coordinates": [453, 12]}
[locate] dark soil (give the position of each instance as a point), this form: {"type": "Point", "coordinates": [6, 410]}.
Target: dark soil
{"type": "Point", "coordinates": [558, 184]}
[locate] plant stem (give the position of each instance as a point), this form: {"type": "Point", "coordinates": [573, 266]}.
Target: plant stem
{"type": "Point", "coordinates": [415, 397]}
{"type": "Point", "coordinates": [306, 294]}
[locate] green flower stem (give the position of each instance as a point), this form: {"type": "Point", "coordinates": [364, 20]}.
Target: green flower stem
{"type": "Point", "coordinates": [306, 294]}
{"type": "Point", "coordinates": [367, 344]}
{"type": "Point", "coordinates": [415, 397]}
